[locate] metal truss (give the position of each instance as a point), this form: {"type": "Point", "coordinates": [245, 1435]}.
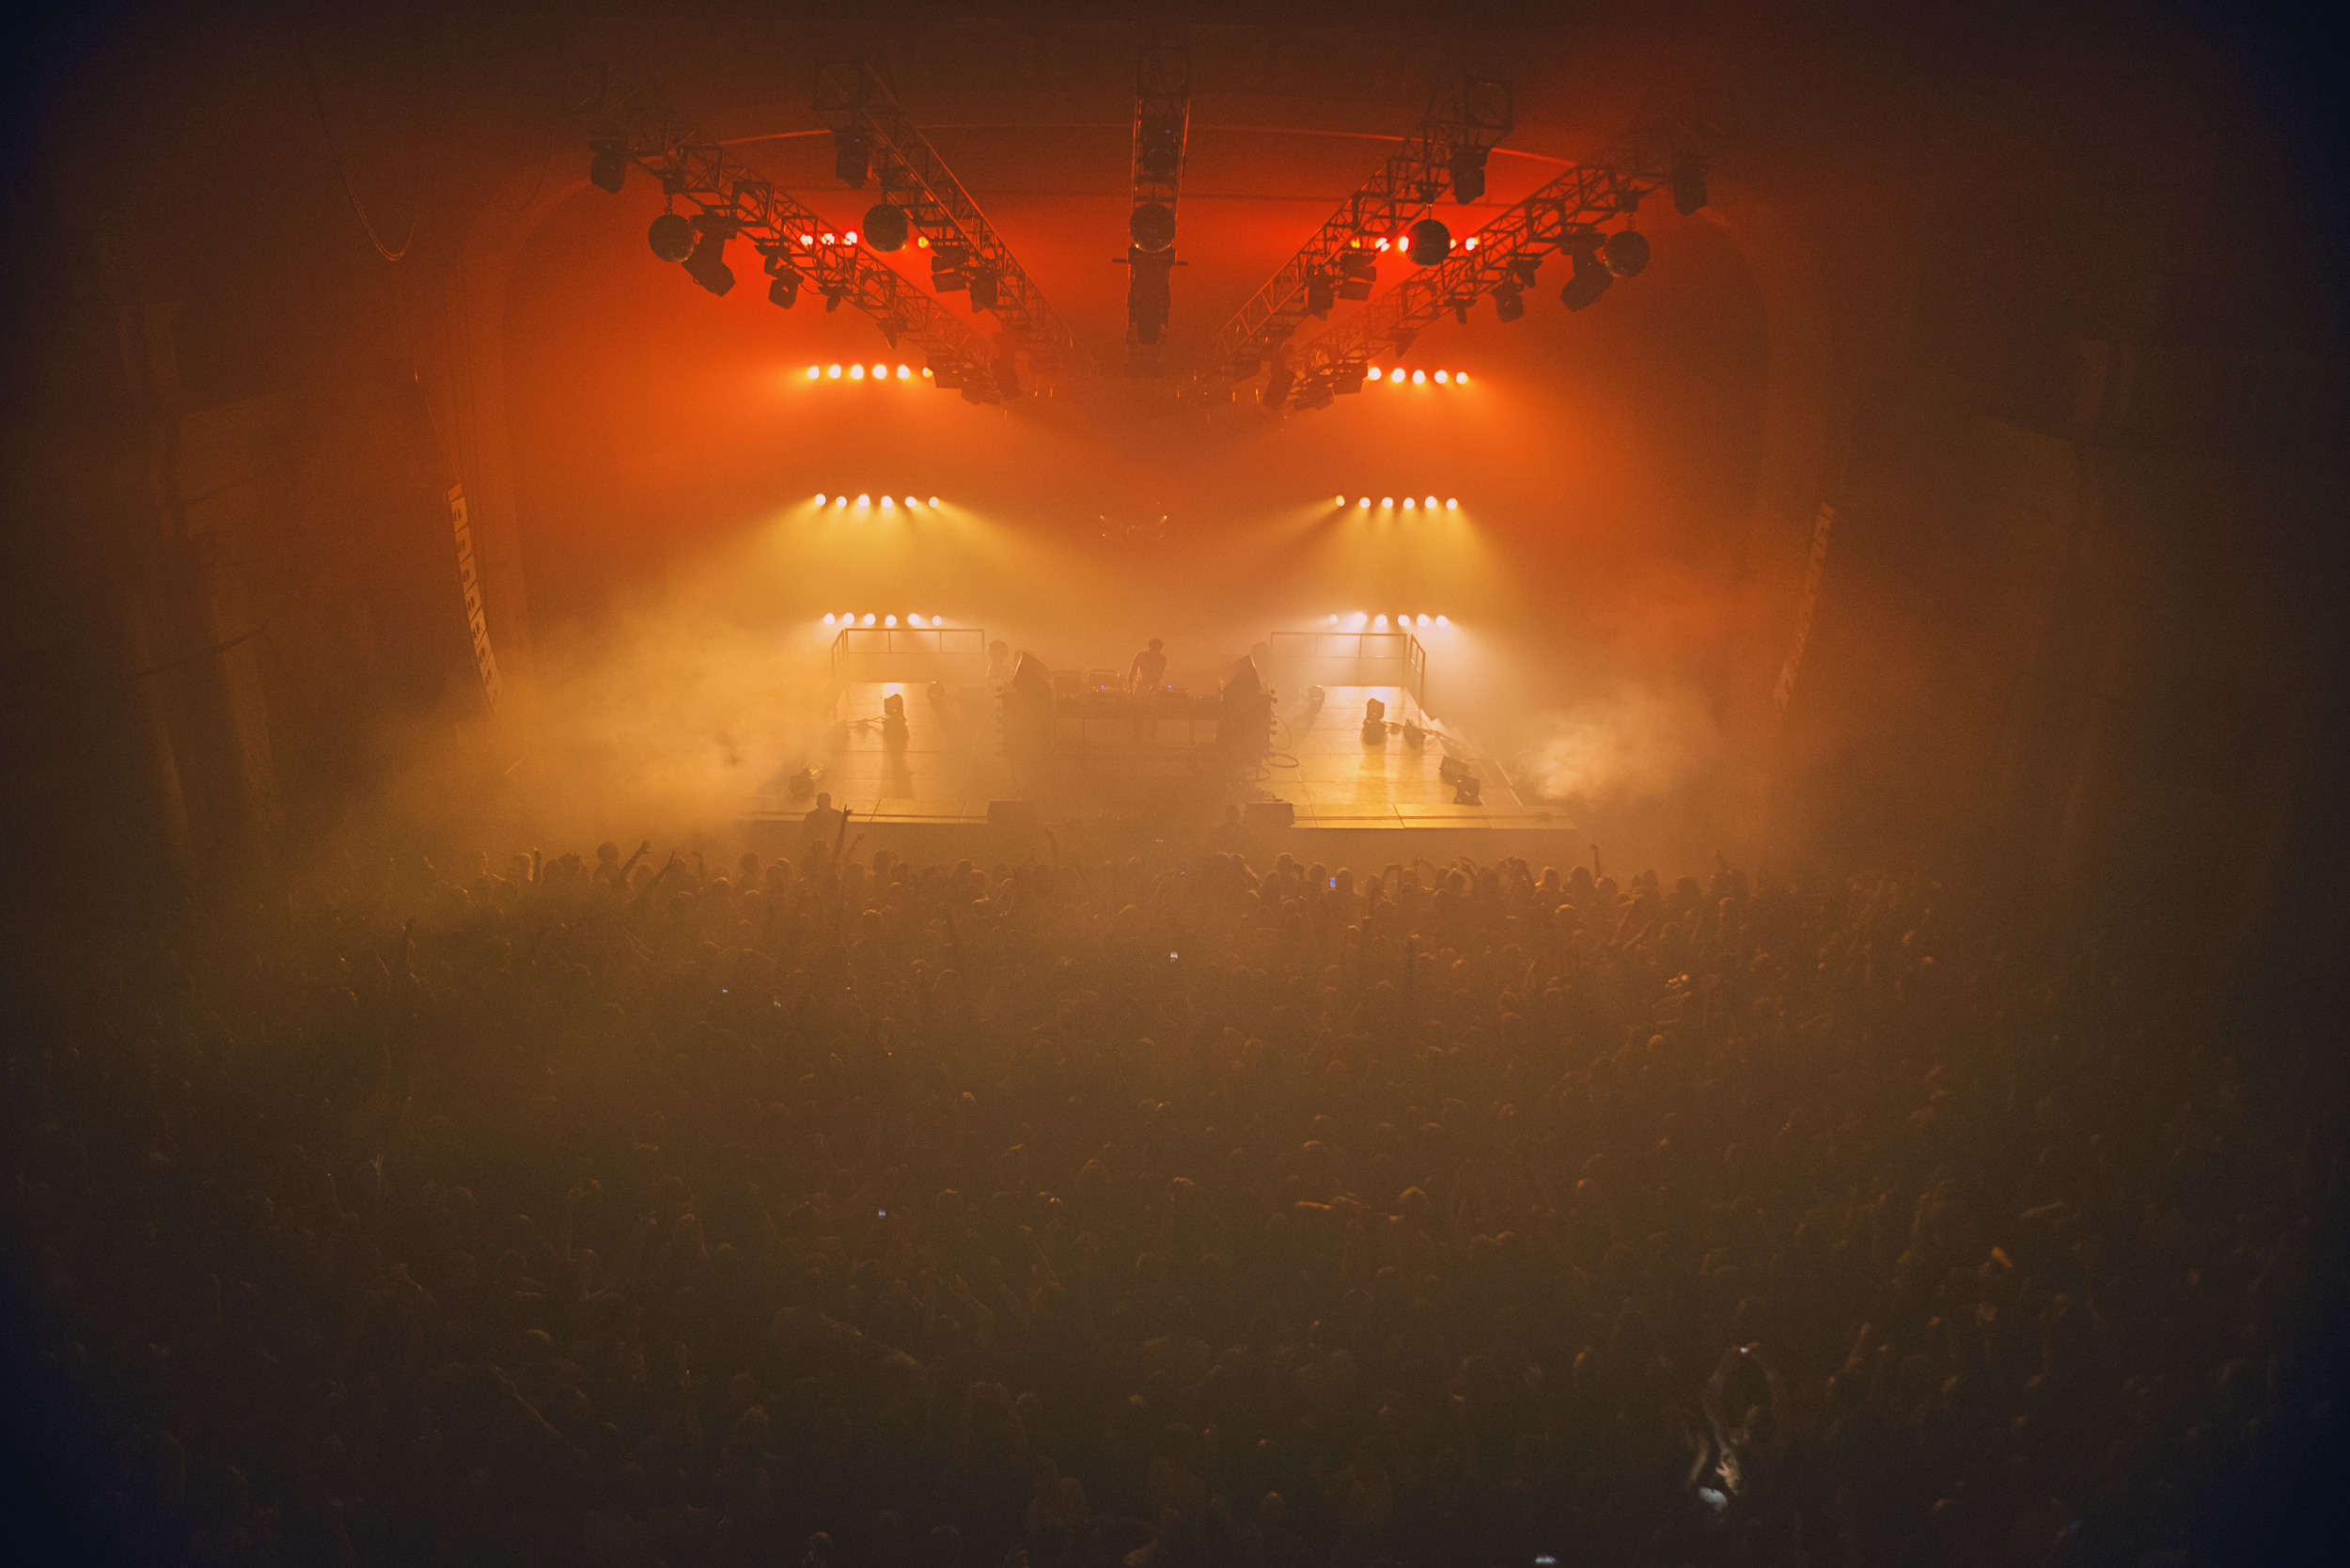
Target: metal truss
{"type": "Point", "coordinates": [853, 100]}
{"type": "Point", "coordinates": [1162, 141]}
{"type": "Point", "coordinates": [1563, 216]}
{"type": "Point", "coordinates": [693, 168]}
{"type": "Point", "coordinates": [1470, 118]}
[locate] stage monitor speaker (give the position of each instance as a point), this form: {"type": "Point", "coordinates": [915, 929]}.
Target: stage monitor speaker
{"type": "Point", "coordinates": [1451, 769]}
{"type": "Point", "coordinates": [1269, 813]}
{"type": "Point", "coordinates": [1375, 711]}
{"type": "Point", "coordinates": [1013, 816]}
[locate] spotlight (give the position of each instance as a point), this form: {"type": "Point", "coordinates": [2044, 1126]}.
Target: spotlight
{"type": "Point", "coordinates": [1443, 621]}
{"type": "Point", "coordinates": [885, 227]}
{"type": "Point", "coordinates": [1526, 269]}
{"type": "Point", "coordinates": [1321, 293]}
{"type": "Point", "coordinates": [947, 274]}
{"type": "Point", "coordinates": [1442, 377]}
{"type": "Point", "coordinates": [851, 157]}
{"type": "Point", "coordinates": [815, 372]}
{"type": "Point", "coordinates": [1381, 622]}
{"type": "Point", "coordinates": [1431, 240]}
{"type": "Point", "coordinates": [849, 238]}
{"type": "Point", "coordinates": [833, 296]}
{"type": "Point", "coordinates": [1159, 149]}
{"type": "Point", "coordinates": [671, 237]}
{"type": "Point", "coordinates": [707, 264]}
{"type": "Point", "coordinates": [890, 503]}
{"type": "Point", "coordinates": [1468, 174]}
{"type": "Point", "coordinates": [881, 372]}
{"type": "Point", "coordinates": [1625, 253]}
{"type": "Point", "coordinates": [1373, 372]}
{"type": "Point", "coordinates": [840, 500]}
{"type": "Point", "coordinates": [607, 166]}
{"type": "Point", "coordinates": [834, 372]}
{"type": "Point", "coordinates": [783, 290]}
{"type": "Point", "coordinates": [1334, 620]}
{"type": "Point", "coordinates": [1386, 503]}
{"type": "Point", "coordinates": [1452, 503]}
{"type": "Point", "coordinates": [820, 497]}
{"type": "Point", "coordinates": [890, 621]}
{"type": "Point", "coordinates": [1591, 280]}
{"type": "Point", "coordinates": [1459, 377]}
{"type": "Point", "coordinates": [1688, 183]}
{"type": "Point", "coordinates": [1408, 504]}
{"type": "Point", "coordinates": [1339, 501]}
{"type": "Point", "coordinates": [1509, 301]}
{"type": "Point", "coordinates": [856, 372]}
{"type": "Point", "coordinates": [1153, 225]}
{"type": "Point", "coordinates": [905, 372]}
{"type": "Point", "coordinates": [1363, 505]}
{"type": "Point", "coordinates": [868, 617]}
{"type": "Point", "coordinates": [828, 619]}
{"type": "Point", "coordinates": [1422, 619]}
{"type": "Point", "coordinates": [984, 290]}
{"type": "Point", "coordinates": [912, 504]}
{"type": "Point", "coordinates": [1431, 503]}
{"type": "Point", "coordinates": [864, 501]}
{"type": "Point", "coordinates": [933, 500]}
{"type": "Point", "coordinates": [1418, 377]}
{"type": "Point", "coordinates": [1361, 619]}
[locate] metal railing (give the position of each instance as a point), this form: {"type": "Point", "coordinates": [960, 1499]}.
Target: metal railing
{"type": "Point", "coordinates": [908, 641]}
{"type": "Point", "coordinates": [1369, 652]}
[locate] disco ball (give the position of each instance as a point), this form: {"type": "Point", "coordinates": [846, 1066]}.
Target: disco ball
{"type": "Point", "coordinates": [671, 237]}
{"type": "Point", "coordinates": [1625, 253]}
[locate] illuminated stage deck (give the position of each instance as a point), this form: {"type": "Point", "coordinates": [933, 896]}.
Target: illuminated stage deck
{"type": "Point", "coordinates": [1116, 774]}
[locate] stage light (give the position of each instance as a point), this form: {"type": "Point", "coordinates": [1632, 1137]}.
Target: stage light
{"type": "Point", "coordinates": [1364, 504]}
{"type": "Point", "coordinates": [1334, 620]}
{"type": "Point", "coordinates": [856, 372]}
{"type": "Point", "coordinates": [707, 263]}
{"type": "Point", "coordinates": [834, 372]}
{"type": "Point", "coordinates": [828, 619]}
{"type": "Point", "coordinates": [849, 237]}
{"type": "Point", "coordinates": [1431, 240]}
{"type": "Point", "coordinates": [1409, 504]}
{"type": "Point", "coordinates": [890, 621]}
{"type": "Point", "coordinates": [1688, 183]}
{"type": "Point", "coordinates": [933, 500]}
{"type": "Point", "coordinates": [840, 500]}
{"type": "Point", "coordinates": [890, 503]}
{"type": "Point", "coordinates": [1442, 378]}
{"type": "Point", "coordinates": [1468, 174]}
{"type": "Point", "coordinates": [607, 166]}
{"type": "Point", "coordinates": [1423, 620]}
{"type": "Point", "coordinates": [905, 372]}
{"type": "Point", "coordinates": [1386, 503]}
{"type": "Point", "coordinates": [1322, 293]}
{"type": "Point", "coordinates": [1452, 503]}
{"type": "Point", "coordinates": [671, 237]}
{"type": "Point", "coordinates": [1509, 303]}
{"type": "Point", "coordinates": [1383, 244]}
{"type": "Point", "coordinates": [1339, 501]}
{"type": "Point", "coordinates": [1151, 226]}
{"type": "Point", "coordinates": [807, 239]}
{"type": "Point", "coordinates": [1372, 374]}
{"type": "Point", "coordinates": [783, 291]}
{"type": "Point", "coordinates": [820, 497]}
{"type": "Point", "coordinates": [814, 371]}
{"type": "Point", "coordinates": [1361, 619]}
{"type": "Point", "coordinates": [1470, 243]}
{"type": "Point", "coordinates": [1443, 621]}
{"type": "Point", "coordinates": [912, 503]}
{"type": "Point", "coordinates": [864, 501]}
{"type": "Point", "coordinates": [885, 227]}
{"type": "Point", "coordinates": [1381, 622]}
{"type": "Point", "coordinates": [1418, 377]}
{"type": "Point", "coordinates": [1625, 253]}
{"type": "Point", "coordinates": [1591, 280]}
{"type": "Point", "coordinates": [1459, 377]}
{"type": "Point", "coordinates": [985, 289]}
{"type": "Point", "coordinates": [1431, 503]}
{"type": "Point", "coordinates": [852, 158]}
{"type": "Point", "coordinates": [926, 372]}
{"type": "Point", "coordinates": [868, 617]}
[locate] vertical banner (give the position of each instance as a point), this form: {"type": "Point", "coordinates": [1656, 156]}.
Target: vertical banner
{"type": "Point", "coordinates": [1804, 606]}
{"type": "Point", "coordinates": [469, 579]}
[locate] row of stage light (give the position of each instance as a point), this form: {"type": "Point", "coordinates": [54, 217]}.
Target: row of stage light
{"type": "Point", "coordinates": [1361, 619]}
{"type": "Point", "coordinates": [1395, 376]}
{"type": "Point", "coordinates": [1410, 503]}
{"type": "Point", "coordinates": [888, 502]}
{"type": "Point", "coordinates": [858, 372]}
{"type": "Point", "coordinates": [869, 618]}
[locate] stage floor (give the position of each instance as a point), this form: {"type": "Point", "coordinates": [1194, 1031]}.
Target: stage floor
{"type": "Point", "coordinates": [946, 764]}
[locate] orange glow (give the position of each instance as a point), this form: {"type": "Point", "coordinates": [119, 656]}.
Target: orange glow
{"type": "Point", "coordinates": [834, 372]}
{"type": "Point", "coordinates": [856, 372]}
{"type": "Point", "coordinates": [1442, 378]}
{"type": "Point", "coordinates": [813, 371]}
{"type": "Point", "coordinates": [1418, 377]}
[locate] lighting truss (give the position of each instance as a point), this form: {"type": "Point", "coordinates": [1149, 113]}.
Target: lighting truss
{"type": "Point", "coordinates": [1162, 140]}
{"type": "Point", "coordinates": [1563, 216]}
{"type": "Point", "coordinates": [693, 168]}
{"type": "Point", "coordinates": [1471, 117]}
{"type": "Point", "coordinates": [853, 100]}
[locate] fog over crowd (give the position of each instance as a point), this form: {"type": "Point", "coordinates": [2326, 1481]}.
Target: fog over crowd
{"type": "Point", "coordinates": [637, 1208]}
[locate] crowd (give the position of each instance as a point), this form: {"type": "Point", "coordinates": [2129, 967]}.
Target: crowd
{"type": "Point", "coordinates": [1209, 1210]}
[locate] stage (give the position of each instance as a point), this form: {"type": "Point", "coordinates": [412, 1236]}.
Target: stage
{"type": "Point", "coordinates": [1117, 774]}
